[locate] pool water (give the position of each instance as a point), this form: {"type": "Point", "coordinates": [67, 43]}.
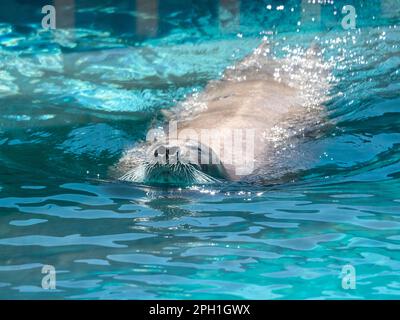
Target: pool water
{"type": "Point", "coordinates": [73, 99]}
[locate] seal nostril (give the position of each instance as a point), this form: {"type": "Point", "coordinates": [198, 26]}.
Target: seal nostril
{"type": "Point", "coordinates": [167, 155]}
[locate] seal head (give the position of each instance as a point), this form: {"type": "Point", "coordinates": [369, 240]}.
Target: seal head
{"type": "Point", "coordinates": [176, 162]}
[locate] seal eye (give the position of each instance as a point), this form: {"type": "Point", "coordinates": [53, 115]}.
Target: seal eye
{"type": "Point", "coordinates": [156, 153]}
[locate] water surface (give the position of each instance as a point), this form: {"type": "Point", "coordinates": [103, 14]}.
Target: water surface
{"type": "Point", "coordinates": [72, 100]}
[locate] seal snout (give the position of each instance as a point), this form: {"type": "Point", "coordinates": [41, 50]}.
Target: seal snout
{"type": "Point", "coordinates": [167, 154]}
{"type": "Point", "coordinates": [177, 162]}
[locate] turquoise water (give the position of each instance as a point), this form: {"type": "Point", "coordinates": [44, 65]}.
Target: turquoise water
{"type": "Point", "coordinates": [72, 100]}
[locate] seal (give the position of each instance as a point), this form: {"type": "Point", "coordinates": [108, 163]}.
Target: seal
{"type": "Point", "coordinates": [245, 126]}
